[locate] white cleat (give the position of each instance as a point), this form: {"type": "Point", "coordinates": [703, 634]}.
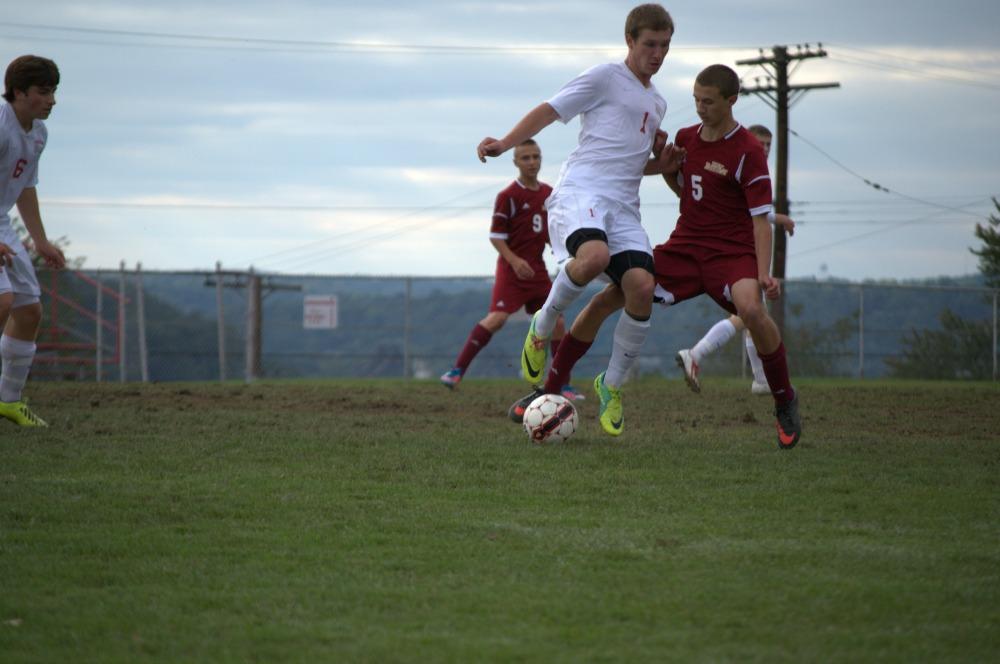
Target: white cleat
{"type": "Point", "coordinates": [760, 389]}
{"type": "Point", "coordinates": [690, 369]}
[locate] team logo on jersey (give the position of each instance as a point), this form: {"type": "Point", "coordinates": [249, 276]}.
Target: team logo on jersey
{"type": "Point", "coordinates": [525, 207]}
{"type": "Point", "coordinates": [728, 294]}
{"type": "Point", "coordinates": [716, 167]}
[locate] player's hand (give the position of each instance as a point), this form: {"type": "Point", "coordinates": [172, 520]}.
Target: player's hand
{"type": "Point", "coordinates": [522, 268]}
{"type": "Point", "coordinates": [659, 142]}
{"type": "Point", "coordinates": [52, 254]}
{"type": "Point", "coordinates": [785, 221]}
{"type": "Point", "coordinates": [6, 255]}
{"type": "Point", "coordinates": [489, 147]}
{"type": "Point", "coordinates": [770, 286]}
{"type": "Point", "coordinates": [670, 159]}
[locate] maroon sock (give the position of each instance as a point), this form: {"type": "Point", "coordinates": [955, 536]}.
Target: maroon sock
{"type": "Point", "coordinates": [570, 351]}
{"type": "Point", "coordinates": [477, 340]}
{"type": "Point", "coordinates": [554, 346]}
{"type": "Point", "coordinates": [776, 370]}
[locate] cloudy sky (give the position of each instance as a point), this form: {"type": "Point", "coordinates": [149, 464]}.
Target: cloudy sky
{"type": "Point", "coordinates": [327, 137]}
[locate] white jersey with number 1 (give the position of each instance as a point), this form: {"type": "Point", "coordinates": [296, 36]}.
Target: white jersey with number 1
{"type": "Point", "coordinates": [619, 117]}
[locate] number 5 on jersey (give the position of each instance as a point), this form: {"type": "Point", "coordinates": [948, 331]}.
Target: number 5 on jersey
{"type": "Point", "coordinates": [696, 191]}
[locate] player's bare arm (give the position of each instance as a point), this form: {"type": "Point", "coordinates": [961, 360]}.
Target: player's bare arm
{"type": "Point", "coordinates": [536, 120]}
{"type": "Point", "coordinates": [27, 206]}
{"type": "Point", "coordinates": [522, 268]}
{"type": "Point", "coordinates": [762, 247]}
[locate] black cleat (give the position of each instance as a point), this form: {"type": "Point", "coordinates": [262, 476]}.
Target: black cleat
{"type": "Point", "coordinates": [789, 423]}
{"type": "Point", "coordinates": [516, 411]}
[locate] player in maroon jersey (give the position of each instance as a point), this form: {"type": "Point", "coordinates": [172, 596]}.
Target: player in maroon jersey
{"type": "Point", "coordinates": [519, 232]}
{"type": "Point", "coordinates": [722, 243]}
{"type": "Point", "coordinates": [688, 359]}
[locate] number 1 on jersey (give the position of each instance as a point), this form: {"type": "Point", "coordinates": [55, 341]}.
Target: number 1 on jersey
{"type": "Point", "coordinates": [645, 116]}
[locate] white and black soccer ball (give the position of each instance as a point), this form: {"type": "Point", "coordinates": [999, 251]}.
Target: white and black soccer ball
{"type": "Point", "coordinates": [551, 418]}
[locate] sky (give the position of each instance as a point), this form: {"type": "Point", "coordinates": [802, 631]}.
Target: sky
{"type": "Point", "coordinates": [318, 137]}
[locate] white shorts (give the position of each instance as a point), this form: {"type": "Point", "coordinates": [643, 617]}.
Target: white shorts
{"type": "Point", "coordinates": [18, 276]}
{"type": "Point", "coordinates": [569, 211]}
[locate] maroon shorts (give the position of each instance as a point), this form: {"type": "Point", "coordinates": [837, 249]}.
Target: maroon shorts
{"type": "Point", "coordinates": [511, 293]}
{"type": "Point", "coordinates": [686, 271]}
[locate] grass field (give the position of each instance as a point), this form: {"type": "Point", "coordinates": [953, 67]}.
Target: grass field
{"type": "Point", "coordinates": [392, 521]}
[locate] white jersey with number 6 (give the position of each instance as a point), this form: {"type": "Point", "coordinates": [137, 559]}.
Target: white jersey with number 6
{"type": "Point", "coordinates": [19, 154]}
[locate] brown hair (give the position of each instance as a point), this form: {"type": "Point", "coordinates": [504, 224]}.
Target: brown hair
{"type": "Point", "coordinates": [29, 70]}
{"type": "Point", "coordinates": [647, 17]}
{"type": "Point", "coordinates": [759, 130]}
{"type": "Point", "coordinates": [720, 77]}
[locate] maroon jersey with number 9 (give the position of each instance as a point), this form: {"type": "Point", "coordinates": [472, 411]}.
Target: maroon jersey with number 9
{"type": "Point", "coordinates": [519, 217]}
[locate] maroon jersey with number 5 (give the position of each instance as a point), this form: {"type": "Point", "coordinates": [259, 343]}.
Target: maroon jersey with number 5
{"type": "Point", "coordinates": [724, 184]}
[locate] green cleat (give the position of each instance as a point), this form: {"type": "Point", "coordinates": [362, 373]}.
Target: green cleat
{"type": "Point", "coordinates": [534, 355]}
{"type": "Point", "coordinates": [19, 413]}
{"type": "Point", "coordinates": [612, 420]}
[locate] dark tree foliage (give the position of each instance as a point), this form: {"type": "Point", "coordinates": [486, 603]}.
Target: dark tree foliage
{"type": "Point", "coordinates": [961, 348]}
{"type": "Point", "coordinates": [989, 253]}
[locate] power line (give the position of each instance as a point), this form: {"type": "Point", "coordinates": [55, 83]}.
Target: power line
{"type": "Point", "coordinates": [883, 55]}
{"type": "Point", "coordinates": [348, 46]}
{"type": "Point", "coordinates": [862, 62]}
{"type": "Point", "coordinates": [248, 207]}
{"type": "Point", "coordinates": [308, 246]}
{"type": "Point", "coordinates": [875, 185]}
{"type": "Point", "coordinates": [862, 236]}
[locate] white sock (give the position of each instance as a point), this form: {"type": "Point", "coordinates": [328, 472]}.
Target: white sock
{"type": "Point", "coordinates": [630, 335]}
{"type": "Point", "coordinates": [563, 293]}
{"type": "Point", "coordinates": [16, 356]}
{"type": "Point", "coordinates": [720, 333]}
{"type": "Point", "coordinates": [755, 363]}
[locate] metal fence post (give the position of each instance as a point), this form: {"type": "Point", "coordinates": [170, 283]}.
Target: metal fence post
{"type": "Point", "coordinates": [99, 332]}
{"type": "Point", "coordinates": [253, 327]}
{"type": "Point", "coordinates": [122, 364]}
{"type": "Point", "coordinates": [407, 322]}
{"type": "Point", "coordinates": [221, 320]}
{"type": "Point", "coordinates": [861, 331]}
{"type": "Point", "coordinates": [140, 316]}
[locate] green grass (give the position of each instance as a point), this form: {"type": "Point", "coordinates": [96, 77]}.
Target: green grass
{"type": "Point", "coordinates": [391, 521]}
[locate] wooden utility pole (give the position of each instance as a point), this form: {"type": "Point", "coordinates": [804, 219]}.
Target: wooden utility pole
{"type": "Point", "coordinates": [780, 96]}
{"type": "Point", "coordinates": [256, 287]}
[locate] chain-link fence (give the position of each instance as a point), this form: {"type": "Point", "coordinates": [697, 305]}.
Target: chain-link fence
{"type": "Point", "coordinates": [169, 326]}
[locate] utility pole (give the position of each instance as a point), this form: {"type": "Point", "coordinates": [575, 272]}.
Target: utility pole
{"type": "Point", "coordinates": [257, 288]}
{"type": "Point", "coordinates": [779, 95]}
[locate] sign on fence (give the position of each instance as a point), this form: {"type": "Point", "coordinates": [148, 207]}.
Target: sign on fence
{"type": "Point", "coordinates": [320, 312]}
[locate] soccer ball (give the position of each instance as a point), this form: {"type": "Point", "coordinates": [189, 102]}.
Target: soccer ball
{"type": "Point", "coordinates": [550, 418]}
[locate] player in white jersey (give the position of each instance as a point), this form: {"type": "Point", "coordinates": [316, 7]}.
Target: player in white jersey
{"type": "Point", "coordinates": [594, 222]}
{"type": "Point", "coordinates": [29, 94]}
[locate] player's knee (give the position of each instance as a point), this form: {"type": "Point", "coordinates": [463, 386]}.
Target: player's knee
{"type": "Point", "coordinates": [638, 285]}
{"type": "Point", "coordinates": [752, 314]}
{"type": "Point", "coordinates": [494, 321]}
{"type": "Point", "coordinates": [587, 266]}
